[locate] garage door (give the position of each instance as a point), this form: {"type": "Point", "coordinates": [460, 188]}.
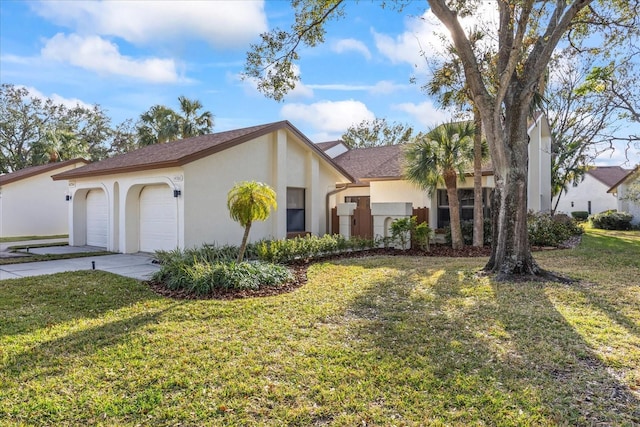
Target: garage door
{"type": "Point", "coordinates": [158, 222]}
{"type": "Point", "coordinates": [97, 218]}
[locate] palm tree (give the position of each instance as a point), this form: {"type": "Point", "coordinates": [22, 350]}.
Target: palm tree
{"type": "Point", "coordinates": [190, 123]}
{"type": "Point", "coordinates": [158, 125]}
{"type": "Point", "coordinates": [440, 156]}
{"type": "Point", "coordinates": [250, 201]}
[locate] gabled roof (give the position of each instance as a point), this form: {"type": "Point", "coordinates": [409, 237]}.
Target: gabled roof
{"type": "Point", "coordinates": [324, 146]}
{"type": "Point", "coordinates": [383, 163]}
{"type": "Point", "coordinates": [36, 170]}
{"type": "Point", "coordinates": [608, 175]}
{"type": "Point", "coordinates": [628, 175]}
{"type": "Point", "coordinates": [181, 152]}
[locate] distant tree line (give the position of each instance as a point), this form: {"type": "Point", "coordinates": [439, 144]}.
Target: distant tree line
{"type": "Point", "coordinates": [36, 131]}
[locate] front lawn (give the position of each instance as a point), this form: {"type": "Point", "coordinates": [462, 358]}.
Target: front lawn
{"type": "Point", "coordinates": [369, 341]}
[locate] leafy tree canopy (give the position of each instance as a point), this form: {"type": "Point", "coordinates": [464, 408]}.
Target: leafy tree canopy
{"type": "Point", "coordinates": [372, 133]}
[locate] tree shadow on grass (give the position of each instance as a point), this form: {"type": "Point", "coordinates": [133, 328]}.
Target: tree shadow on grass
{"type": "Point", "coordinates": [52, 357]}
{"type": "Point", "coordinates": [491, 353]}
{"type": "Point", "coordinates": [33, 303]}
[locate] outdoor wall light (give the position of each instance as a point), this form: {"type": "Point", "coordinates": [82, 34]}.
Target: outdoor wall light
{"type": "Point", "coordinates": [176, 193]}
{"type": "Point", "coordinates": [67, 197]}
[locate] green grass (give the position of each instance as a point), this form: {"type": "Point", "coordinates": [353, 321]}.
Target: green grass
{"type": "Point", "coordinates": [23, 238]}
{"type": "Point", "coordinates": [371, 341]}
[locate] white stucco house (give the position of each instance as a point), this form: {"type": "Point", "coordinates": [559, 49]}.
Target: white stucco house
{"type": "Point", "coordinates": [175, 195]}
{"type": "Point", "coordinates": [592, 193]}
{"type": "Point", "coordinates": [380, 184]}
{"type": "Point", "coordinates": [33, 204]}
{"type": "Point", "coordinates": [621, 191]}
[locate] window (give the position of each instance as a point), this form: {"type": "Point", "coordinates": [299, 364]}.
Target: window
{"type": "Point", "coordinates": [295, 210]}
{"type": "Point", "coordinates": [466, 205]}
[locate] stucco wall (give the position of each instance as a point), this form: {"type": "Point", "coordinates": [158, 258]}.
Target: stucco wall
{"type": "Point", "coordinates": [278, 159]}
{"type": "Point", "coordinates": [589, 190]}
{"type": "Point", "coordinates": [629, 206]}
{"type": "Point", "coordinates": [122, 192]}
{"type": "Point", "coordinates": [34, 206]}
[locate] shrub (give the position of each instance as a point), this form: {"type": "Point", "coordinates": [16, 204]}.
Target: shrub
{"type": "Point", "coordinates": [580, 215]}
{"type": "Point", "coordinates": [467, 232]}
{"type": "Point", "coordinates": [547, 230]}
{"type": "Point", "coordinates": [407, 230]}
{"type": "Point", "coordinates": [612, 220]}
{"type": "Point", "coordinates": [203, 277]}
{"type": "Point", "coordinates": [306, 247]}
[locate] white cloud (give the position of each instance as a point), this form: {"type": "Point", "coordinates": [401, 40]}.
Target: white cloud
{"type": "Point", "coordinates": [422, 38]}
{"type": "Point", "coordinates": [328, 117]}
{"type": "Point", "coordinates": [57, 99]}
{"type": "Point", "coordinates": [425, 113]}
{"type": "Point", "coordinates": [351, 45]}
{"type": "Point", "coordinates": [221, 23]}
{"type": "Point", "coordinates": [99, 55]}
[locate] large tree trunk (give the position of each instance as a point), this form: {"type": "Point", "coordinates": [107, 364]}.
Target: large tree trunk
{"type": "Point", "coordinates": [451, 182]}
{"type": "Point", "coordinates": [478, 215]}
{"type": "Point", "coordinates": [510, 250]}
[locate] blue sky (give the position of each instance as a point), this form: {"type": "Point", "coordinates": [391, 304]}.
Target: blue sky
{"type": "Point", "coordinates": [127, 56]}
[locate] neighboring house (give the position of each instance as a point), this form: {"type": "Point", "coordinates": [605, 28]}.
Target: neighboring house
{"type": "Point", "coordinates": [621, 191]}
{"type": "Point", "coordinates": [591, 194]}
{"type": "Point", "coordinates": [33, 204]}
{"type": "Point", "coordinates": [175, 195]}
{"type": "Point", "coordinates": [379, 180]}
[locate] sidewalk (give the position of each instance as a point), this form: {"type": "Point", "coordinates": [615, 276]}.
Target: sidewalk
{"type": "Point", "coordinates": [137, 266]}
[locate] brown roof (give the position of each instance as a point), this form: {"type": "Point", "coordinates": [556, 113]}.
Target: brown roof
{"type": "Point", "coordinates": [608, 175]}
{"type": "Point", "coordinates": [383, 162]}
{"type": "Point", "coordinates": [178, 153]}
{"type": "Point", "coordinates": [624, 178]}
{"type": "Point", "coordinates": [324, 146]}
{"type": "Point", "coordinates": [36, 170]}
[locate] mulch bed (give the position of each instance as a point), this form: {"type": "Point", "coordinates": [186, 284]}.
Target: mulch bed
{"type": "Point", "coordinates": [299, 270]}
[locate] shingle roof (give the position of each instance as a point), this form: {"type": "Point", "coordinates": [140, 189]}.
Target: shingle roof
{"type": "Point", "coordinates": [608, 175]}
{"type": "Point", "coordinates": [36, 170]}
{"type": "Point", "coordinates": [384, 162]}
{"type": "Point", "coordinates": [324, 146]}
{"type": "Point", "coordinates": [372, 162]}
{"type": "Point", "coordinates": [628, 174]}
{"type": "Point", "coordinates": [178, 153]}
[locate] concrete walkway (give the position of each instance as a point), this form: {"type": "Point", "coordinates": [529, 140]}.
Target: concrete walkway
{"type": "Point", "coordinates": [137, 266]}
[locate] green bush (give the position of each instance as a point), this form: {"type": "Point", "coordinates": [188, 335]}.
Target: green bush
{"type": "Point", "coordinates": [405, 231]}
{"type": "Point", "coordinates": [203, 277]}
{"type": "Point", "coordinates": [580, 215]}
{"type": "Point", "coordinates": [467, 232]}
{"type": "Point", "coordinates": [303, 248]}
{"type": "Point", "coordinates": [612, 220]}
{"type": "Point", "coordinates": [547, 230]}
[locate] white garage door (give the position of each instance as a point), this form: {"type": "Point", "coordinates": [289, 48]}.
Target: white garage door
{"type": "Point", "coordinates": [158, 222]}
{"type": "Point", "coordinates": [97, 218]}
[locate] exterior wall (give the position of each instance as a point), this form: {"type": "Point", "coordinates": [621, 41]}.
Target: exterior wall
{"type": "Point", "coordinates": [539, 178]}
{"type": "Point", "coordinates": [122, 193]}
{"type": "Point", "coordinates": [35, 206]}
{"type": "Point", "coordinates": [335, 151]}
{"type": "Point", "coordinates": [589, 190]}
{"type": "Point", "coordinates": [277, 159]}
{"type": "Point", "coordinates": [632, 207]}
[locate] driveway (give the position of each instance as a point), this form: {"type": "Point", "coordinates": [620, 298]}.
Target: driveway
{"type": "Point", "coordinates": [137, 266]}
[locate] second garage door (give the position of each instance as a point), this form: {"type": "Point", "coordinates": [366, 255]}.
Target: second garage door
{"type": "Point", "coordinates": [158, 221]}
